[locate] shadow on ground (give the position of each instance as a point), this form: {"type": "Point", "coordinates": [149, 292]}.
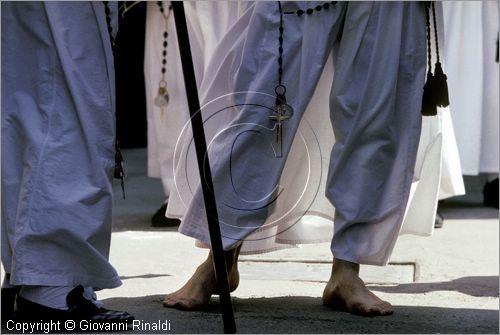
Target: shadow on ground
{"type": "Point", "coordinates": [480, 286]}
{"type": "Point", "coordinates": [306, 315]}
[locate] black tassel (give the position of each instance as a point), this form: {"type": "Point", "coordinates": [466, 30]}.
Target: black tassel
{"type": "Point", "coordinates": [436, 86]}
{"type": "Point", "coordinates": [429, 107]}
{"type": "Point", "coordinates": [440, 87]}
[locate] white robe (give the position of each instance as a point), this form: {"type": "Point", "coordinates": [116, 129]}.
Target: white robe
{"type": "Point", "coordinates": [437, 147]}
{"type": "Point", "coordinates": [471, 32]}
{"type": "Point", "coordinates": [163, 125]}
{"type": "Point", "coordinates": [58, 128]}
{"type": "Point", "coordinates": [204, 33]}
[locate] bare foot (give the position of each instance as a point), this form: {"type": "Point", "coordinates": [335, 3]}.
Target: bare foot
{"type": "Point", "coordinates": [347, 291]}
{"type": "Point", "coordinates": [199, 288]}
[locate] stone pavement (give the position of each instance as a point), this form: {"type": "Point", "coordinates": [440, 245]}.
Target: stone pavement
{"type": "Point", "coordinates": [447, 283]}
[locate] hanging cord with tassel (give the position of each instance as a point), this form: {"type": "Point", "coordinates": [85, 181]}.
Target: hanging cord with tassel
{"type": "Point", "coordinates": [496, 58]}
{"type": "Point", "coordinates": [441, 86]}
{"type": "Point", "coordinates": [436, 87]}
{"type": "Point", "coordinates": [119, 171]}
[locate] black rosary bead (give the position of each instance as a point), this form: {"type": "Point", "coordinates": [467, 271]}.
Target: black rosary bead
{"type": "Point", "coordinates": [106, 8]}
{"type": "Point", "coordinates": [165, 37]}
{"type": "Point", "coordinates": [107, 11]}
{"type": "Point", "coordinates": [309, 11]}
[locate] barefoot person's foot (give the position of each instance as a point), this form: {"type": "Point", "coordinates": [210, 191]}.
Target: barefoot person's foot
{"type": "Point", "coordinates": [199, 288]}
{"type": "Point", "coordinates": [347, 291]}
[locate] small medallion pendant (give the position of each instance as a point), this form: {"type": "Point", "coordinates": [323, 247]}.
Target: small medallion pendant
{"type": "Point", "coordinates": [162, 97]}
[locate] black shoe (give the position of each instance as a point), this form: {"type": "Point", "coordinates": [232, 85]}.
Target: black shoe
{"type": "Point", "coordinates": [79, 309]}
{"type": "Point", "coordinates": [490, 194]}
{"type": "Point", "coordinates": [160, 220]}
{"type": "Point", "coordinates": [438, 222]}
{"type": "Point", "coordinates": [8, 297]}
{"type": "Point", "coordinates": [83, 309]}
{"type": "Point", "coordinates": [31, 311]}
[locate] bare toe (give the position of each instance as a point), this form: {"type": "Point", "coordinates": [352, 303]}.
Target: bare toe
{"type": "Point", "coordinates": [198, 290]}
{"type": "Point", "coordinates": [346, 291]}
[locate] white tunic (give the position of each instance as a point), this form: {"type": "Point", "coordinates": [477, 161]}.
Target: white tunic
{"type": "Point", "coordinates": [165, 124]}
{"type": "Point", "coordinates": [471, 32]}
{"type": "Point", "coordinates": [57, 143]}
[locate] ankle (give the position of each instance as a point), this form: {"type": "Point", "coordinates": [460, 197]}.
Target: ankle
{"type": "Point", "coordinates": [342, 267]}
{"type": "Point", "coordinates": [233, 254]}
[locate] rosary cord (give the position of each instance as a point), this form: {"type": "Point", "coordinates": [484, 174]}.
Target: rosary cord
{"type": "Point", "coordinates": [113, 48]}
{"type": "Point", "coordinates": [119, 172]}
{"type": "Point", "coordinates": [162, 98]}
{"type": "Point", "coordinates": [110, 27]}
{"type": "Point", "coordinates": [165, 36]}
{"type": "Point", "coordinates": [280, 48]}
{"type": "Point", "coordinates": [428, 28]}
{"type": "Point", "coordinates": [309, 11]}
{"type": "Point", "coordinates": [435, 30]}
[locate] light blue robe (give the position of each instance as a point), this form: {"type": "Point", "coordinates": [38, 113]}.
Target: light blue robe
{"type": "Point", "coordinates": [375, 112]}
{"type": "Point", "coordinates": [58, 126]}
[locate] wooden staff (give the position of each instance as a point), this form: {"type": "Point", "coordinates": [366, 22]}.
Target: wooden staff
{"type": "Point", "coordinates": [204, 167]}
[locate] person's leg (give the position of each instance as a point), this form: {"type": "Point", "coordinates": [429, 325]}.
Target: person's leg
{"type": "Point", "coordinates": [490, 191]}
{"type": "Point", "coordinates": [65, 126]}
{"type": "Point", "coordinates": [245, 169]}
{"type": "Point", "coordinates": [58, 108]}
{"type": "Point", "coordinates": [8, 296]}
{"type": "Point", "coordinates": [375, 110]}
{"type": "Point", "coordinates": [241, 82]}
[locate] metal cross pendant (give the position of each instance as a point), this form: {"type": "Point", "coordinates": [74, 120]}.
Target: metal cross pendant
{"type": "Point", "coordinates": [282, 112]}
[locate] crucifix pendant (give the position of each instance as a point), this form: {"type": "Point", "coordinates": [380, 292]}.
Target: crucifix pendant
{"type": "Point", "coordinates": [282, 112]}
